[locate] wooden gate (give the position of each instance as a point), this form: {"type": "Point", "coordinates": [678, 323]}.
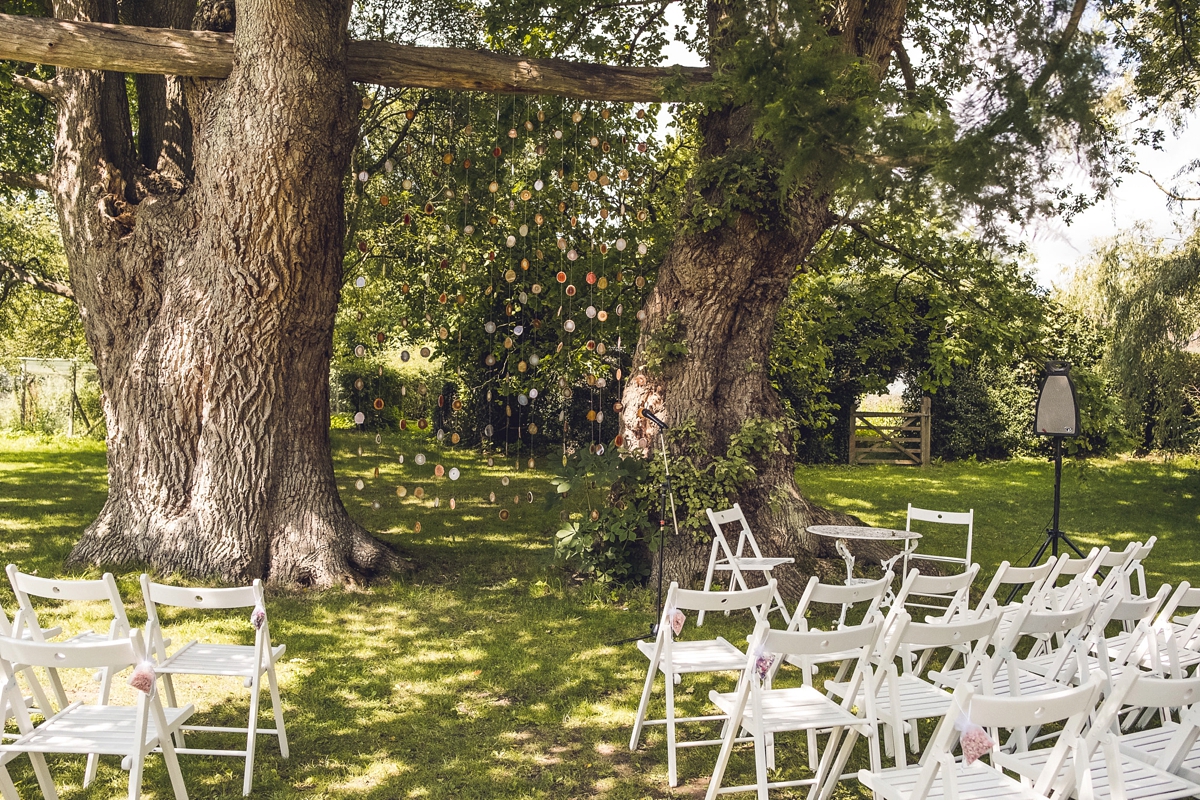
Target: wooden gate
{"type": "Point", "coordinates": [890, 437]}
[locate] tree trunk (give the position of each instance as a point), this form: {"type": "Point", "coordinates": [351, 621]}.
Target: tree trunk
{"type": "Point", "coordinates": [723, 289]}
{"type": "Point", "coordinates": [209, 300]}
{"type": "Point", "coordinates": [722, 286]}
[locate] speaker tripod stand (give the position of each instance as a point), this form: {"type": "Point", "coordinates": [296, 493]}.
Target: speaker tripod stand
{"type": "Point", "coordinates": [1053, 534]}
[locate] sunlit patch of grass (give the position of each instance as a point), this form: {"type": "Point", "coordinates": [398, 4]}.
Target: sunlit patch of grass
{"type": "Point", "coordinates": [1104, 502]}
{"type": "Point", "coordinates": [489, 672]}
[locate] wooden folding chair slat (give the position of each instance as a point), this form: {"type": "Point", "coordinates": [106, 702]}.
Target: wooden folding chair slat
{"type": "Point", "coordinates": [27, 625]}
{"type": "Point", "coordinates": [1172, 746]}
{"type": "Point", "coordinates": [761, 711]}
{"type": "Point", "coordinates": [1114, 773]}
{"type": "Point", "coordinates": [1003, 675]}
{"type": "Point", "coordinates": [37, 698]}
{"type": "Point", "coordinates": [1142, 782]}
{"type": "Point", "coordinates": [904, 697]}
{"type": "Point", "coordinates": [202, 658]}
{"type": "Point", "coordinates": [844, 597]}
{"type": "Point", "coordinates": [671, 658]}
{"type": "Point", "coordinates": [94, 729]}
{"type": "Point", "coordinates": [940, 775]}
{"type": "Point", "coordinates": [1152, 744]}
{"type": "Point", "coordinates": [909, 553]}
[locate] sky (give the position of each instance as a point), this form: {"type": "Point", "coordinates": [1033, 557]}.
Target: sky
{"type": "Point", "coordinates": [1054, 246]}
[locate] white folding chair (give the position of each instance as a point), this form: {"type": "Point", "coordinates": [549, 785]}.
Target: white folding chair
{"type": "Point", "coordinates": [903, 696]}
{"type": "Point", "coordinates": [27, 624]}
{"type": "Point", "coordinates": [940, 775]}
{"type": "Point", "coordinates": [1080, 589]}
{"type": "Point", "coordinates": [896, 606]}
{"type": "Point", "coordinates": [966, 518]}
{"type": "Point", "coordinates": [1179, 634]}
{"type": "Point", "coordinates": [1083, 573]}
{"type": "Point", "coordinates": [1009, 576]}
{"type": "Point", "coordinates": [1172, 746]}
{"type": "Point", "coordinates": [948, 595]}
{"type": "Point", "coordinates": [132, 732]}
{"type": "Point", "coordinates": [762, 711]}
{"type": "Point", "coordinates": [1114, 772]}
{"type": "Point", "coordinates": [845, 597]}
{"type": "Point", "coordinates": [723, 558]}
{"type": "Point", "coordinates": [1006, 575]}
{"type": "Point", "coordinates": [1114, 605]}
{"type": "Point", "coordinates": [1135, 570]}
{"type": "Point", "coordinates": [1080, 574]}
{"type": "Point", "coordinates": [1003, 675]}
{"type": "Point", "coordinates": [36, 699]}
{"type": "Point", "coordinates": [1140, 647]}
{"type": "Point", "coordinates": [248, 662]}
{"type": "Point", "coordinates": [674, 658]}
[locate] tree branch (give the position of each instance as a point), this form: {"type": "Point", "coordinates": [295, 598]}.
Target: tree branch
{"type": "Point", "coordinates": [37, 281]}
{"type": "Point", "coordinates": [646, 23]}
{"type": "Point", "coordinates": [906, 69]}
{"type": "Point", "coordinates": [20, 180]}
{"type": "Point", "coordinates": [922, 263]}
{"type": "Point", "coordinates": [862, 230]}
{"type": "Point", "coordinates": [1176, 197]}
{"type": "Point", "coordinates": [204, 54]}
{"type": "Point", "coordinates": [46, 89]}
{"type": "Point", "coordinates": [1181, 31]}
{"type": "Point", "coordinates": [1051, 65]}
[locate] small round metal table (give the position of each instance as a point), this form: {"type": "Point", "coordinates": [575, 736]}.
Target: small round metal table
{"type": "Point", "coordinates": [840, 533]}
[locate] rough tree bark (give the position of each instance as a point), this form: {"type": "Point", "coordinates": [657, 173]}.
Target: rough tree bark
{"type": "Point", "coordinates": [726, 287]}
{"type": "Point", "coordinates": [207, 279]}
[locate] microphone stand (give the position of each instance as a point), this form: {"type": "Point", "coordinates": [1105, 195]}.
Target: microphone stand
{"type": "Point", "coordinates": [666, 494]}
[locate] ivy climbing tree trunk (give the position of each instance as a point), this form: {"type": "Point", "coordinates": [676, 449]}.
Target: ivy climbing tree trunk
{"type": "Point", "coordinates": [207, 277]}
{"type": "Point", "coordinates": [719, 290]}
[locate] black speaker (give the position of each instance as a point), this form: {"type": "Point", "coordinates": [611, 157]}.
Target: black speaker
{"type": "Point", "coordinates": [1056, 413]}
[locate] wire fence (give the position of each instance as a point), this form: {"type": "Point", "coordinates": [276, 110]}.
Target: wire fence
{"type": "Point", "coordinates": [50, 395]}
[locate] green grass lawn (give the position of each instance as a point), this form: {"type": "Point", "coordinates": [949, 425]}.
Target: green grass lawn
{"type": "Point", "coordinates": [489, 672]}
{"type": "Point", "coordinates": [1104, 502]}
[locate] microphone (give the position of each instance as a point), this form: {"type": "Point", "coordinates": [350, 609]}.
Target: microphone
{"type": "Point", "coordinates": [647, 415]}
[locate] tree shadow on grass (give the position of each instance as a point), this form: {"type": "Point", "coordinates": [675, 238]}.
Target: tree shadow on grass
{"type": "Point", "coordinates": [485, 674]}
{"type": "Point", "coordinates": [47, 498]}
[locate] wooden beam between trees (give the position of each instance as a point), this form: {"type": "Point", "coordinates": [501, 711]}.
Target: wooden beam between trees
{"type": "Point", "coordinates": [204, 54]}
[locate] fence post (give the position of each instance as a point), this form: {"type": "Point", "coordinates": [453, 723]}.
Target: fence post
{"type": "Point", "coordinates": [22, 393]}
{"type": "Point", "coordinates": [71, 410]}
{"type": "Point", "coordinates": [926, 426]}
{"type": "Point", "coordinates": [853, 429]}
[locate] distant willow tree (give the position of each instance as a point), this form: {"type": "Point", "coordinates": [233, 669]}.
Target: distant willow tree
{"type": "Point", "coordinates": [205, 251]}
{"type": "Point", "coordinates": [1145, 295]}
